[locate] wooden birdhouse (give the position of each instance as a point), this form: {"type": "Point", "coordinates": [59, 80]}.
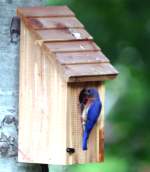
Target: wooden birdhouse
{"type": "Point", "coordinates": [58, 59]}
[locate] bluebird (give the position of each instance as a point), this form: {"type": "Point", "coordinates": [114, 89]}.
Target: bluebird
{"type": "Point", "coordinates": [90, 105]}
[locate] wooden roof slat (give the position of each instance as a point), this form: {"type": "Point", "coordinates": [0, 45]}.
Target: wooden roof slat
{"type": "Point", "coordinates": [50, 11]}
{"type": "Point", "coordinates": [71, 46]}
{"type": "Point", "coordinates": [52, 23]}
{"type": "Point", "coordinates": [81, 70]}
{"type": "Point", "coordinates": [63, 34]}
{"type": "Point", "coordinates": [81, 57]}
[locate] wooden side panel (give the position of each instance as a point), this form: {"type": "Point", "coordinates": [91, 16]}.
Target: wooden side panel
{"type": "Point", "coordinates": [22, 92]}
{"type": "Point", "coordinates": [42, 115]}
{"type": "Point", "coordinates": [100, 130]}
{"type": "Point", "coordinates": [74, 134]}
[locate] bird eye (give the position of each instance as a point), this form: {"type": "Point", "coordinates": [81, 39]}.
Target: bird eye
{"type": "Point", "coordinates": [89, 91]}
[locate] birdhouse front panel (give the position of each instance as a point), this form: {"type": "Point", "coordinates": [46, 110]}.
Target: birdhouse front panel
{"type": "Point", "coordinates": [95, 142]}
{"type": "Point", "coordinates": [61, 94]}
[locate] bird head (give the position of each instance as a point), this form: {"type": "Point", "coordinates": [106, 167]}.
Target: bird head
{"type": "Point", "coordinates": [87, 95]}
{"type": "Point", "coordinates": [92, 93]}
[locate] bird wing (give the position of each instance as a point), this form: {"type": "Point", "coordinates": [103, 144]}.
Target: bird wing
{"type": "Point", "coordinates": [94, 111]}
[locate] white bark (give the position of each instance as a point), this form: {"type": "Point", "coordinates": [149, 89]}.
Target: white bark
{"type": "Point", "coordinates": [9, 71]}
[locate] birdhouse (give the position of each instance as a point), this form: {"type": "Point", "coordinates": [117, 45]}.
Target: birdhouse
{"type": "Point", "coordinates": [58, 61]}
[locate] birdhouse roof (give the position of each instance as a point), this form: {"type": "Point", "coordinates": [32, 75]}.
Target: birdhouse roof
{"type": "Point", "coordinates": [63, 36]}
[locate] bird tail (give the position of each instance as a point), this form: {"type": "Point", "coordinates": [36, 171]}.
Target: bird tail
{"type": "Point", "coordinates": [88, 128]}
{"type": "Point", "coordinates": [84, 140]}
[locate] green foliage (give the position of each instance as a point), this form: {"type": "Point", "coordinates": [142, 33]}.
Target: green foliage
{"type": "Point", "coordinates": [122, 29]}
{"type": "Point", "coordinates": [118, 165]}
{"type": "Point", "coordinates": [107, 166]}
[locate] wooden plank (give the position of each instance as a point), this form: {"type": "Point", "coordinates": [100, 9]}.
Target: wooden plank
{"type": "Point", "coordinates": [101, 123]}
{"type": "Point", "coordinates": [49, 11]}
{"type": "Point", "coordinates": [75, 129]}
{"type": "Point", "coordinates": [42, 115]}
{"type": "Point", "coordinates": [89, 70]}
{"type": "Point", "coordinates": [81, 57]}
{"type": "Point", "coordinates": [90, 78]}
{"type": "Point", "coordinates": [57, 103]}
{"type": "Point", "coordinates": [22, 82]}
{"type": "Point", "coordinates": [53, 23]}
{"type": "Point", "coordinates": [101, 145]}
{"type": "Point", "coordinates": [70, 34]}
{"type": "Point", "coordinates": [71, 46]}
{"type": "Point", "coordinates": [25, 102]}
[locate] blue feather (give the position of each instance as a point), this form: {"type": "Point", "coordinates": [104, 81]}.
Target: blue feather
{"type": "Point", "coordinates": [92, 116]}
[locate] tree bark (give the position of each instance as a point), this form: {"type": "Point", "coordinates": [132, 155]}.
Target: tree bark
{"type": "Point", "coordinates": [9, 76]}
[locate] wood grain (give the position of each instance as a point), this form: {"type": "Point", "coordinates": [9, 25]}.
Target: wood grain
{"type": "Point", "coordinates": [63, 34]}
{"type": "Point", "coordinates": [49, 11]}
{"type": "Point", "coordinates": [52, 23]}
{"type": "Point", "coordinates": [74, 72]}
{"type": "Point", "coordinates": [85, 57]}
{"type": "Point", "coordinates": [71, 46]}
{"type": "Point", "coordinates": [42, 115]}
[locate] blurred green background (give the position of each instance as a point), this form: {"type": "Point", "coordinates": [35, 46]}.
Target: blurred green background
{"type": "Point", "coordinates": [122, 29]}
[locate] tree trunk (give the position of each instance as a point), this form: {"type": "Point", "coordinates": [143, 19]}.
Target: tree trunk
{"type": "Point", "coordinates": [9, 76]}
